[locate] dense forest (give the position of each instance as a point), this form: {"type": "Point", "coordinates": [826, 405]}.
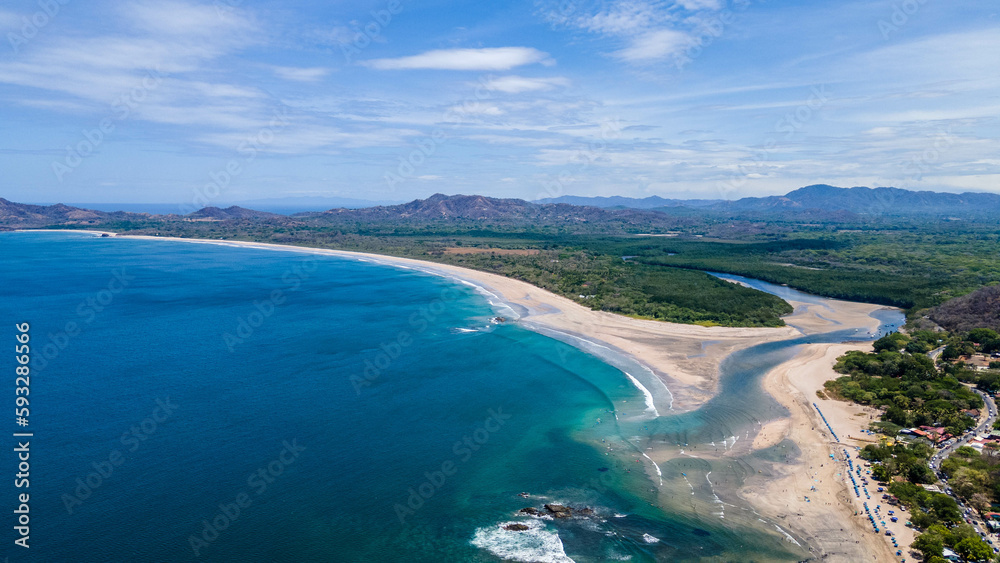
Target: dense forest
{"type": "Point", "coordinates": [899, 377]}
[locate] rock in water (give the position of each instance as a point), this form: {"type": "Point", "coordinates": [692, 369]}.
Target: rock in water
{"type": "Point", "coordinates": [559, 511]}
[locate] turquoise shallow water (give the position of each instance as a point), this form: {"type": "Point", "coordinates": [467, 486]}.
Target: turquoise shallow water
{"type": "Point", "coordinates": [231, 404]}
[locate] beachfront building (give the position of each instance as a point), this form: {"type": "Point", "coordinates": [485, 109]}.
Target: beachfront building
{"type": "Point", "coordinates": [951, 555]}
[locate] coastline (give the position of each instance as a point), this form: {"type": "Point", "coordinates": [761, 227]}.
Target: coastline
{"type": "Point", "coordinates": [830, 521]}
{"type": "Point", "coordinates": [685, 359]}
{"type": "Point", "coordinates": [88, 231]}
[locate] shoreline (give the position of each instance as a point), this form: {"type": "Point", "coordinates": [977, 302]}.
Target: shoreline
{"type": "Point", "coordinates": [683, 364]}
{"type": "Point", "coordinates": [830, 520]}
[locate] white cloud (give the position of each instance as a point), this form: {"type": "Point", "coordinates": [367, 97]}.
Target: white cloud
{"type": "Point", "coordinates": [701, 4]}
{"type": "Point", "coordinates": [475, 109]}
{"type": "Point", "coordinates": [175, 18]}
{"type": "Point", "coordinates": [645, 30]}
{"type": "Point", "coordinates": [517, 84]}
{"type": "Point", "coordinates": [300, 74]}
{"type": "Point", "coordinates": [624, 18]}
{"type": "Point", "coordinates": [655, 45]}
{"type": "Point", "coordinates": [499, 58]}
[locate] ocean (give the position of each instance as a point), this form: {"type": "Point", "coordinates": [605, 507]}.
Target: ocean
{"type": "Point", "coordinates": [195, 402]}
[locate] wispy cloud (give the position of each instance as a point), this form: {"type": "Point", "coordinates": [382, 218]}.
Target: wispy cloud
{"type": "Point", "coordinates": [301, 74]}
{"type": "Point", "coordinates": [518, 84]}
{"type": "Point", "coordinates": [497, 58]}
{"type": "Point", "coordinates": [655, 45]}
{"type": "Point", "coordinates": [645, 31]}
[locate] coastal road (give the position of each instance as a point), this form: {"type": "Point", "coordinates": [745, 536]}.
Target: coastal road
{"type": "Point", "coordinates": [983, 428]}
{"type": "Point", "coordinates": [933, 354]}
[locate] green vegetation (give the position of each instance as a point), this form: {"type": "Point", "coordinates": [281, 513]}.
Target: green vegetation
{"type": "Point", "coordinates": [974, 477]}
{"type": "Point", "coordinates": [607, 259]}
{"type": "Point", "coordinates": [900, 459]}
{"type": "Point", "coordinates": [900, 377]}
{"type": "Point", "coordinates": [906, 383]}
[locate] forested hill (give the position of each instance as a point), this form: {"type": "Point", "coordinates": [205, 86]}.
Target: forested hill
{"type": "Point", "coordinates": [865, 202]}
{"type": "Point", "coordinates": [979, 309]}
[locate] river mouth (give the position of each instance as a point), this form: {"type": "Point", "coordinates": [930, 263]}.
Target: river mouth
{"type": "Point", "coordinates": [705, 456]}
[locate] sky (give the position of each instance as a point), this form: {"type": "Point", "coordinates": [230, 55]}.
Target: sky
{"type": "Point", "coordinates": [205, 103]}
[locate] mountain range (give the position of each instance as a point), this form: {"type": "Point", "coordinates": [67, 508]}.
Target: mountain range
{"type": "Point", "coordinates": [892, 202]}
{"type": "Point", "coordinates": [814, 203]}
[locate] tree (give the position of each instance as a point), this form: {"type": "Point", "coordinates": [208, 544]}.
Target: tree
{"type": "Point", "coordinates": [945, 508]}
{"type": "Point", "coordinates": [974, 549]}
{"type": "Point", "coordinates": [881, 473]}
{"type": "Point", "coordinates": [980, 502]}
{"type": "Point", "coordinates": [929, 544]}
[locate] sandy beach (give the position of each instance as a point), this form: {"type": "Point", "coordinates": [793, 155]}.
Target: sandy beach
{"type": "Point", "coordinates": [830, 521]}
{"type": "Point", "coordinates": [686, 359]}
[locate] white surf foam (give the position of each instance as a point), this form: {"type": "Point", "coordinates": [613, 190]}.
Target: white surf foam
{"type": "Point", "coordinates": [658, 472]}
{"type": "Point", "coordinates": [534, 545]}
{"type": "Point", "coordinates": [787, 536]}
{"type": "Point", "coordinates": [650, 407]}
{"type": "Point", "coordinates": [650, 539]}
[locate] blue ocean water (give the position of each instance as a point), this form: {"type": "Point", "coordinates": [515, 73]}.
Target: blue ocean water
{"type": "Point", "coordinates": [206, 402]}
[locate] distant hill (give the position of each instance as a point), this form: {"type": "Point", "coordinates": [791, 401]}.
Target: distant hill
{"type": "Point", "coordinates": [979, 309]}
{"type": "Point", "coordinates": [812, 204]}
{"type": "Point", "coordinates": [441, 208]}
{"type": "Point", "coordinates": [26, 216]}
{"type": "Point", "coordinates": [651, 202]}
{"type": "Point", "coordinates": [872, 201]}
{"type": "Point", "coordinates": [231, 212]}
{"type": "Point", "coordinates": [466, 211]}
{"type": "Point", "coordinates": [821, 201]}
{"type": "Point", "coordinates": [292, 205]}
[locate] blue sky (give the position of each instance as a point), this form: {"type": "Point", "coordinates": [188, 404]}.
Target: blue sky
{"type": "Point", "coordinates": [217, 102]}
